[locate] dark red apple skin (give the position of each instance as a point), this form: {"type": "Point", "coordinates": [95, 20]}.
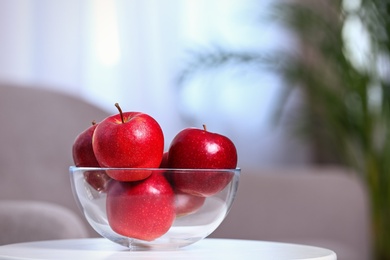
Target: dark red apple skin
{"type": "Point", "coordinates": [97, 179]}
{"type": "Point", "coordinates": [141, 209]}
{"type": "Point", "coordinates": [137, 142]}
{"type": "Point", "coordinates": [82, 152]}
{"type": "Point", "coordinates": [201, 183]}
{"type": "Point", "coordinates": [186, 204]}
{"type": "Point", "coordinates": [83, 156]}
{"type": "Point", "coordinates": [194, 148]}
{"type": "Point", "coordinates": [164, 161]}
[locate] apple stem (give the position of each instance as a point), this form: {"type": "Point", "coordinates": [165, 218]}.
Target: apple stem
{"type": "Point", "coordinates": [120, 112]}
{"type": "Point", "coordinates": [93, 122]}
{"type": "Point", "coordinates": [204, 127]}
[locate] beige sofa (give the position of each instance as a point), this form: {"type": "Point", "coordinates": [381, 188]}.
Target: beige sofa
{"type": "Point", "coordinates": [324, 207]}
{"type": "Point", "coordinates": [38, 128]}
{"type": "Point", "coordinates": [316, 206]}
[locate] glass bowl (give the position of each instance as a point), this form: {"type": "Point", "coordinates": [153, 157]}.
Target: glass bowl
{"type": "Point", "coordinates": [171, 208]}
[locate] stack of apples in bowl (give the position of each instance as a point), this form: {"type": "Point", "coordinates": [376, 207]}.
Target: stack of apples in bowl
{"type": "Point", "coordinates": [138, 195]}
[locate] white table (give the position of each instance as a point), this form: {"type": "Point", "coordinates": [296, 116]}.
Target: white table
{"type": "Point", "coordinates": [100, 248]}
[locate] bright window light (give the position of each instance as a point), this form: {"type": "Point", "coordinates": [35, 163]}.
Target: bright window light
{"type": "Point", "coordinates": [106, 35]}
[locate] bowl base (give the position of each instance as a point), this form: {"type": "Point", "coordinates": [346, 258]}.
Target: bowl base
{"type": "Point", "coordinates": [139, 245]}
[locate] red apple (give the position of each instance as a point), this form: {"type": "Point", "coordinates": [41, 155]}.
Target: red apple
{"type": "Point", "coordinates": [141, 209]}
{"type": "Point", "coordinates": [164, 161]}
{"type": "Point", "coordinates": [97, 179]}
{"type": "Point", "coordinates": [164, 165]}
{"type": "Point", "coordinates": [128, 140]}
{"type": "Point", "coordinates": [83, 156]}
{"type": "Point", "coordinates": [186, 204]}
{"type": "Point", "coordinates": [194, 148]}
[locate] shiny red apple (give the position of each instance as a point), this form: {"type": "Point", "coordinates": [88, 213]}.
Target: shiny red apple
{"type": "Point", "coordinates": [128, 140]}
{"type": "Point", "coordinates": [194, 148]}
{"type": "Point", "coordinates": [83, 156]}
{"type": "Point", "coordinates": [141, 209]}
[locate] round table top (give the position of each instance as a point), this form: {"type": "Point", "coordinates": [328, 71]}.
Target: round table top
{"type": "Point", "coordinates": [101, 248]}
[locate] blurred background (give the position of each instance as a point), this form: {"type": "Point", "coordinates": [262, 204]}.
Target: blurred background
{"type": "Point", "coordinates": [295, 84]}
{"type": "Point", "coordinates": [132, 52]}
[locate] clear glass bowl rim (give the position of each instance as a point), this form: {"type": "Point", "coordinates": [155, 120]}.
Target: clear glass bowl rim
{"type": "Point", "coordinates": [75, 168]}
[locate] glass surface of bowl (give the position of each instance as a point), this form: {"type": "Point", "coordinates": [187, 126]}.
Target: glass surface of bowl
{"type": "Point", "coordinates": [171, 208]}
